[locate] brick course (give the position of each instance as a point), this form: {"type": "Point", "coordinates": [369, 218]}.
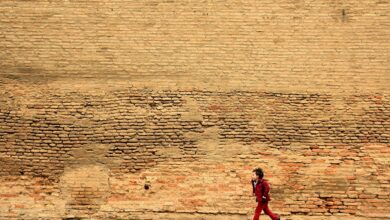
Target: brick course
{"type": "Point", "coordinates": [100, 100]}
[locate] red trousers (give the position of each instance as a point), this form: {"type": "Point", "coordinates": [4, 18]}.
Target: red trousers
{"type": "Point", "coordinates": [264, 206]}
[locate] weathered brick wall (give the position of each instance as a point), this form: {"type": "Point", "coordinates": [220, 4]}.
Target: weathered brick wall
{"type": "Point", "coordinates": [100, 99]}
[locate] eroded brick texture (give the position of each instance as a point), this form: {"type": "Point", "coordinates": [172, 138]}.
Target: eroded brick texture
{"type": "Point", "coordinates": [325, 154]}
{"type": "Point", "coordinates": [161, 109]}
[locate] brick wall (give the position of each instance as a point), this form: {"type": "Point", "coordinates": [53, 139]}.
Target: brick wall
{"type": "Point", "coordinates": [161, 109]}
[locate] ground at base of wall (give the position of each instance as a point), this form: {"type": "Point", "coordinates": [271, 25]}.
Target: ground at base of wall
{"type": "Point", "coordinates": [223, 217]}
{"type": "Point", "coordinates": [185, 216]}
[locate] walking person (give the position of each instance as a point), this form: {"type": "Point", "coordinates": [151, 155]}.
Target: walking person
{"type": "Point", "coordinates": [261, 190]}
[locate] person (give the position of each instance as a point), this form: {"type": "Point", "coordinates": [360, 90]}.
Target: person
{"type": "Point", "coordinates": [261, 190]}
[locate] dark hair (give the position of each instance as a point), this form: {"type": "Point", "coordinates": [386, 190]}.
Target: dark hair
{"type": "Point", "coordinates": [259, 172]}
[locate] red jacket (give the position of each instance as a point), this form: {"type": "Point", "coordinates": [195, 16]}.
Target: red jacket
{"type": "Point", "coordinates": [261, 189]}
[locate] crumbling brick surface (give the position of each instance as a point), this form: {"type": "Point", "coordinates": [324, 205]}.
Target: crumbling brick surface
{"type": "Point", "coordinates": [160, 110]}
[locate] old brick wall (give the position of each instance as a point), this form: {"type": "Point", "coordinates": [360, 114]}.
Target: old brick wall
{"type": "Point", "coordinates": [99, 99]}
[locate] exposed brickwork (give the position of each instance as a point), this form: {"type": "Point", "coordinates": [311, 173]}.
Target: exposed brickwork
{"type": "Point", "coordinates": [160, 110]}
{"type": "Point", "coordinates": [116, 143]}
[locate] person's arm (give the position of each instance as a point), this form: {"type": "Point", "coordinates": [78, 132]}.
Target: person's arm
{"type": "Point", "coordinates": [266, 191]}
{"type": "Point", "coordinates": [257, 193]}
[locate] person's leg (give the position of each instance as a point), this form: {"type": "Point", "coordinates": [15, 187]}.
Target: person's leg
{"type": "Point", "coordinates": [269, 212]}
{"type": "Point", "coordinates": [259, 208]}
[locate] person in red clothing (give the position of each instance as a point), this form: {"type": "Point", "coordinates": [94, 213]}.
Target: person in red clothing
{"type": "Point", "coordinates": [261, 192]}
